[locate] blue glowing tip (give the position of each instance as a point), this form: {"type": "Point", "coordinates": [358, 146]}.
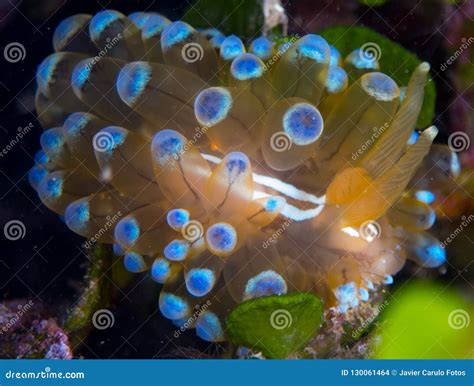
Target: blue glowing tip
{"type": "Point", "coordinates": [154, 25]}
{"type": "Point", "coordinates": [359, 59]}
{"type": "Point", "coordinates": [41, 157]}
{"type": "Point", "coordinates": [236, 164]}
{"type": "Point", "coordinates": [134, 262]}
{"type": "Point", "coordinates": [67, 29]}
{"type": "Point", "coordinates": [266, 283]}
{"type": "Point", "coordinates": [199, 281]}
{"type": "Point", "coordinates": [430, 255]}
{"type": "Point", "coordinates": [139, 18]}
{"type": "Point", "coordinates": [109, 139]}
{"type": "Point", "coordinates": [176, 218]}
{"type": "Point", "coordinates": [335, 59]}
{"type": "Point", "coordinates": [160, 270]}
{"type": "Point", "coordinates": [364, 294]}
{"type": "Point", "coordinates": [51, 187]}
{"type": "Point", "coordinates": [36, 175]}
{"type": "Point", "coordinates": [336, 80]}
{"type": "Point", "coordinates": [174, 33]}
{"type": "Point", "coordinates": [75, 123]}
{"type": "Point", "coordinates": [216, 41]}
{"type": "Point", "coordinates": [101, 21]}
{"type": "Point", "coordinates": [303, 123]}
{"type": "Point", "coordinates": [370, 285]}
{"type": "Point", "coordinates": [133, 80]}
{"type": "Point", "coordinates": [274, 204]}
{"type": "Point", "coordinates": [77, 215]}
{"type": "Point", "coordinates": [209, 328]}
{"type": "Point", "coordinates": [346, 295]}
{"type": "Point", "coordinates": [231, 47]}
{"type": "Point", "coordinates": [262, 47]}
{"type": "Point", "coordinates": [425, 196]}
{"type": "Point", "coordinates": [380, 86]}
{"type": "Point", "coordinates": [81, 73]}
{"type": "Point", "coordinates": [211, 33]}
{"type": "Point", "coordinates": [167, 145]}
{"type": "Point", "coordinates": [246, 66]}
{"type": "Point", "coordinates": [118, 250]}
{"type": "Point", "coordinates": [176, 250]}
{"type": "Point", "coordinates": [314, 47]}
{"type": "Point", "coordinates": [127, 232]}
{"type": "Point", "coordinates": [52, 142]}
{"type": "Point", "coordinates": [221, 238]}
{"type": "Point", "coordinates": [413, 137]}
{"type": "Point", "coordinates": [388, 279]}
{"type": "Point", "coordinates": [212, 105]}
{"type": "Point", "coordinates": [173, 306]}
{"type": "Point", "coordinates": [46, 70]}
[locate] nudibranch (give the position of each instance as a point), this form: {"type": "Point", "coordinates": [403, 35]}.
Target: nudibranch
{"type": "Point", "coordinates": [231, 170]}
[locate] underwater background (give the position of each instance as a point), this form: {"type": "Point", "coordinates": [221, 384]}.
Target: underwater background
{"type": "Point", "coordinates": [48, 270]}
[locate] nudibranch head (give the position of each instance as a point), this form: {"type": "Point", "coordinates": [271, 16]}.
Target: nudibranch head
{"type": "Point", "coordinates": [226, 165]}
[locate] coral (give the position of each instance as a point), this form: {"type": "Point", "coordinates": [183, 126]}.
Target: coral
{"type": "Point", "coordinates": [228, 174]}
{"type": "Point", "coordinates": [27, 332]}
